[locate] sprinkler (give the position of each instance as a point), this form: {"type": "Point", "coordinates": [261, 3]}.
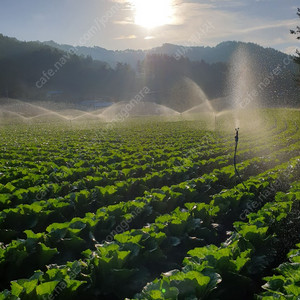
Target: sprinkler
{"type": "Point", "coordinates": [235, 151]}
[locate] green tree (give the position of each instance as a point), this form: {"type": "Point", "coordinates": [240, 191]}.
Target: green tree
{"type": "Point", "coordinates": [297, 33]}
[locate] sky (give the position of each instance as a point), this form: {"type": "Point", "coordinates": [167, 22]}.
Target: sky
{"type": "Point", "coordinates": [144, 24]}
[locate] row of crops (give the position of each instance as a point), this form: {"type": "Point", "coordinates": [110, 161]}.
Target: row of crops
{"type": "Point", "coordinates": [150, 210]}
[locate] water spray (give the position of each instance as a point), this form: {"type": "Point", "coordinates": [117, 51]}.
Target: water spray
{"type": "Point", "coordinates": [234, 159]}
{"type": "Point", "coordinates": [215, 121]}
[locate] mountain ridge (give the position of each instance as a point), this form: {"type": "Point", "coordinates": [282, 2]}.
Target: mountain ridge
{"type": "Point", "coordinates": [222, 52]}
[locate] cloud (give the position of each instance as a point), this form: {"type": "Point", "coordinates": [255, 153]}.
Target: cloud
{"type": "Point", "coordinates": [123, 22]}
{"type": "Point", "coordinates": [271, 25]}
{"type": "Point", "coordinates": [246, 20]}
{"type": "Point", "coordinates": [126, 37]}
{"type": "Point", "coordinates": [215, 3]}
{"type": "Point", "coordinates": [232, 24]}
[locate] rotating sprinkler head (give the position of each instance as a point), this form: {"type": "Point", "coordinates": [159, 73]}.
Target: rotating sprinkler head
{"type": "Point", "coordinates": [237, 134]}
{"type": "Point", "coordinates": [235, 155]}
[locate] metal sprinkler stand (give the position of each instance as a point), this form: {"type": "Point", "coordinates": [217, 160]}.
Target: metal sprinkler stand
{"type": "Point", "coordinates": [235, 151]}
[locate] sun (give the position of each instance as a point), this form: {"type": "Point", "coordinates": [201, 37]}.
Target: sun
{"type": "Point", "coordinates": [153, 13]}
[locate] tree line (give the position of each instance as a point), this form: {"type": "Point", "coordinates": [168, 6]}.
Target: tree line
{"type": "Point", "coordinates": [33, 71]}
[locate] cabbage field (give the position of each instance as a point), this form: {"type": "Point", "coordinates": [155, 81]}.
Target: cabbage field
{"type": "Point", "coordinates": [150, 209]}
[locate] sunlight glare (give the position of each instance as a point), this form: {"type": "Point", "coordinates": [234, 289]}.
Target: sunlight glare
{"type": "Point", "coordinates": [153, 13]}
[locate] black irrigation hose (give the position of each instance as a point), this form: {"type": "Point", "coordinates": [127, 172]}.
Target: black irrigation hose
{"type": "Point", "coordinates": [234, 159]}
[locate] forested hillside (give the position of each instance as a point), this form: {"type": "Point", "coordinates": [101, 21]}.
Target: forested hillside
{"type": "Point", "coordinates": [33, 71]}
